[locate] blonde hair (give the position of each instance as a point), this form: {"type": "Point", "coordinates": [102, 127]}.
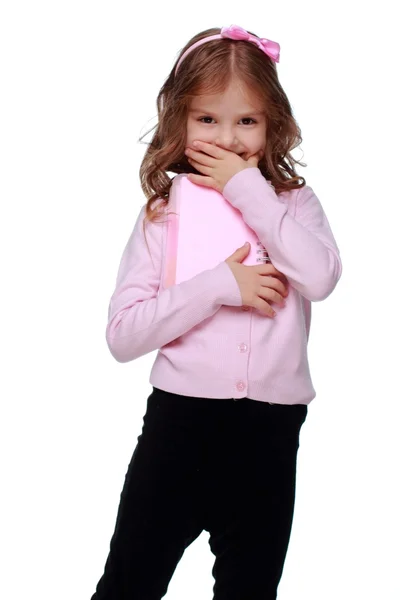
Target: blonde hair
{"type": "Point", "coordinates": [209, 69]}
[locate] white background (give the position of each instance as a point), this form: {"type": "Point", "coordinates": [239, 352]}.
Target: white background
{"type": "Point", "coordinates": [78, 87]}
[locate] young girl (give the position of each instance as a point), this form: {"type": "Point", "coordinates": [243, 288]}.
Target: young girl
{"type": "Point", "coordinates": [231, 381]}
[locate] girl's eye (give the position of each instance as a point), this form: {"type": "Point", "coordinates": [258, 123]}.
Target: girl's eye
{"type": "Point", "coordinates": [244, 119]}
{"type": "Point", "coordinates": [249, 119]}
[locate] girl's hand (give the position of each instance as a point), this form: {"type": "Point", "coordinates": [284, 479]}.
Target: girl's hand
{"type": "Point", "coordinates": [217, 164]}
{"type": "Point", "coordinates": [259, 284]}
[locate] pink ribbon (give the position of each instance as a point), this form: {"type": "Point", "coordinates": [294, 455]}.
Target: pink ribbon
{"type": "Point", "coordinates": [234, 32]}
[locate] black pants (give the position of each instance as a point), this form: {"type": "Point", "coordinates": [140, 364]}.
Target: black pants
{"type": "Point", "coordinates": [221, 465]}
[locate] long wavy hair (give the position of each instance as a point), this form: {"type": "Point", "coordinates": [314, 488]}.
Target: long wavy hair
{"type": "Point", "coordinates": [208, 69]}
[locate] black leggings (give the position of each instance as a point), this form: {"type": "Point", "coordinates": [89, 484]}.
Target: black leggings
{"type": "Point", "coordinates": [225, 466]}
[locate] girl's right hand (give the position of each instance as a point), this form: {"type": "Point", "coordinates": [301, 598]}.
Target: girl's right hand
{"type": "Point", "coordinates": [258, 283]}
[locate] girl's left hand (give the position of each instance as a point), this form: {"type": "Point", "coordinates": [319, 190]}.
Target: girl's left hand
{"type": "Point", "coordinates": [217, 164]}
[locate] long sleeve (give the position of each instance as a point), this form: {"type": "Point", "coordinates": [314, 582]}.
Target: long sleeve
{"type": "Point", "coordinates": [300, 246]}
{"type": "Point", "coordinates": [141, 318]}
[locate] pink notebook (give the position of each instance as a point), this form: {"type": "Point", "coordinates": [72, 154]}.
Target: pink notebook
{"type": "Point", "coordinates": [205, 230]}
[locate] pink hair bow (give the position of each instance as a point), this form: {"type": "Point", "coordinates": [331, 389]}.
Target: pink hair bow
{"type": "Point", "coordinates": [234, 32]}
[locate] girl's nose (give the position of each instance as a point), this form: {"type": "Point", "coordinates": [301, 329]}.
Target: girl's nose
{"type": "Point", "coordinates": [227, 141]}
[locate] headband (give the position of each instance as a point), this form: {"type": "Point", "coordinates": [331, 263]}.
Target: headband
{"type": "Point", "coordinates": [234, 32]}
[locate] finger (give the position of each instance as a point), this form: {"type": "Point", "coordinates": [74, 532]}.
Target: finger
{"type": "Point", "coordinates": [276, 284]}
{"type": "Point", "coordinates": [279, 277]}
{"type": "Point", "coordinates": [200, 157]}
{"type": "Point", "coordinates": [268, 269]}
{"type": "Point", "coordinates": [254, 159]}
{"type": "Point", "coordinates": [200, 180]}
{"type": "Point", "coordinates": [200, 167]}
{"type": "Point", "coordinates": [208, 148]}
{"type": "Point", "coordinates": [264, 307]}
{"type": "Point", "coordinates": [272, 295]}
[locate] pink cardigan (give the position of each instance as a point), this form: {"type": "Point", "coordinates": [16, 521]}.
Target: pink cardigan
{"type": "Point", "coordinates": [208, 344]}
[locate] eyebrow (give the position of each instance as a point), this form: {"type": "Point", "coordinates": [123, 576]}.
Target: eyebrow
{"type": "Point", "coordinates": [208, 112]}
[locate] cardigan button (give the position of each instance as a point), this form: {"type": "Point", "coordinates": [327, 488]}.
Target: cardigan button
{"type": "Point", "coordinates": [240, 386]}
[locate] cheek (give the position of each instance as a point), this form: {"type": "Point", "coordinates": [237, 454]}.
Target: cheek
{"type": "Point", "coordinates": [192, 133]}
{"type": "Point", "coordinates": [188, 133]}
{"type": "Point", "coordinates": [260, 139]}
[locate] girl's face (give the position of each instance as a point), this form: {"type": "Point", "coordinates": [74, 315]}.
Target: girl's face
{"type": "Point", "coordinates": [239, 124]}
